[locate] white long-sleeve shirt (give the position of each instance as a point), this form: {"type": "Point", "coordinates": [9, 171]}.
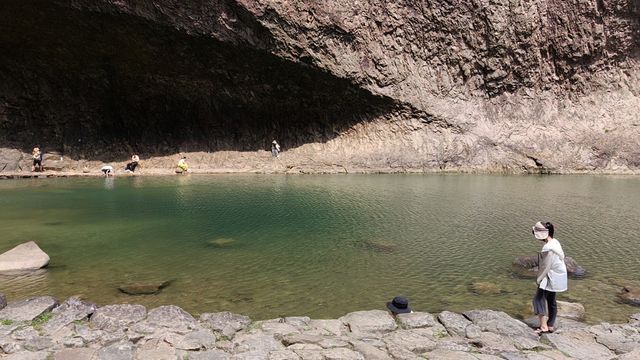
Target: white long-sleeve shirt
{"type": "Point", "coordinates": [552, 273]}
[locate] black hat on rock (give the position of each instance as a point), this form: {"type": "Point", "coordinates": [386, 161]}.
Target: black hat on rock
{"type": "Point", "coordinates": [399, 305]}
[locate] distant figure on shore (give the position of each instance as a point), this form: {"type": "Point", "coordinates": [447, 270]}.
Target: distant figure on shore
{"type": "Point", "coordinates": [399, 305]}
{"type": "Point", "coordinates": [275, 149]}
{"type": "Point", "coordinates": [131, 167]}
{"type": "Point", "coordinates": [107, 170]}
{"type": "Point", "coordinates": [183, 167]}
{"type": "Point", "coordinates": [551, 279]}
{"type": "Point", "coordinates": [37, 159]}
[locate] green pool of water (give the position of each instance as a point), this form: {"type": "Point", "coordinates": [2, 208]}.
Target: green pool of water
{"type": "Point", "coordinates": [320, 246]}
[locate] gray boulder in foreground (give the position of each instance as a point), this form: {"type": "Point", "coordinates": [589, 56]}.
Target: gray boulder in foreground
{"type": "Point", "coordinates": [27, 310]}
{"type": "Point", "coordinates": [27, 256]}
{"type": "Point", "coordinates": [114, 317]}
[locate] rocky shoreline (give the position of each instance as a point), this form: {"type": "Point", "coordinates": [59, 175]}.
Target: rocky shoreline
{"type": "Point", "coordinates": [40, 328]}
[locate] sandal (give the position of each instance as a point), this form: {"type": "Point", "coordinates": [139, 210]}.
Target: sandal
{"type": "Point", "coordinates": [540, 331]}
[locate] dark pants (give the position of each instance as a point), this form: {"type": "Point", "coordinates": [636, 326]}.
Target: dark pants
{"type": "Point", "coordinates": [544, 303]}
{"type": "Point", "coordinates": [131, 166]}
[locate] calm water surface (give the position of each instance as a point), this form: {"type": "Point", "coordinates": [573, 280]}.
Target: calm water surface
{"type": "Point", "coordinates": [321, 246]}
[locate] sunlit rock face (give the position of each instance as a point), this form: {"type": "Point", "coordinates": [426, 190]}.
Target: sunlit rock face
{"type": "Point", "coordinates": [496, 85]}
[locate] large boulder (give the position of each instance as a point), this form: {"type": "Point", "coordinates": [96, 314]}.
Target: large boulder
{"type": "Point", "coordinates": [630, 295]}
{"type": "Point", "coordinates": [10, 159]}
{"type": "Point", "coordinates": [527, 266]}
{"type": "Point", "coordinates": [27, 256]}
{"type": "Point", "coordinates": [27, 310]}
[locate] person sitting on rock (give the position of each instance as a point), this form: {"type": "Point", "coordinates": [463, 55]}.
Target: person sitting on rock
{"type": "Point", "coordinates": [183, 167]}
{"type": "Point", "coordinates": [37, 159]}
{"type": "Point", "coordinates": [399, 305]}
{"type": "Point", "coordinates": [131, 167]}
{"type": "Point", "coordinates": [107, 170]}
{"type": "Point", "coordinates": [275, 149]}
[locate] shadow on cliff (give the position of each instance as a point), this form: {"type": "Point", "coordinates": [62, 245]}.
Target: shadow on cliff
{"type": "Point", "coordinates": [100, 86]}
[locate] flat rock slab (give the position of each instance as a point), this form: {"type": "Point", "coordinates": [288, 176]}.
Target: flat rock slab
{"type": "Point", "coordinates": [114, 317]}
{"type": "Point", "coordinates": [119, 351]}
{"type": "Point", "coordinates": [579, 344]}
{"type": "Point", "coordinates": [27, 310]}
{"type": "Point", "coordinates": [28, 355]}
{"type": "Point", "coordinates": [416, 320]}
{"type": "Point", "coordinates": [27, 256]}
{"type": "Point", "coordinates": [454, 323]}
{"type": "Point", "coordinates": [373, 321]}
{"type": "Point", "coordinates": [74, 354]}
{"type": "Point", "coordinates": [500, 323]}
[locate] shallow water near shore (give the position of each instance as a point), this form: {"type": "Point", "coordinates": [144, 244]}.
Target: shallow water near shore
{"type": "Point", "coordinates": [321, 246]}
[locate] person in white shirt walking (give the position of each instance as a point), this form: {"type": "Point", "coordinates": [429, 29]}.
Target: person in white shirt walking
{"type": "Point", "coordinates": [551, 279]}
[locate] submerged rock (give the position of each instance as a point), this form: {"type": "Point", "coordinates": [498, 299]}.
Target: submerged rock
{"type": "Point", "coordinates": [630, 295]}
{"type": "Point", "coordinates": [221, 242]}
{"type": "Point", "coordinates": [377, 245]}
{"type": "Point", "coordinates": [485, 288]}
{"type": "Point", "coordinates": [27, 256]}
{"type": "Point", "coordinates": [144, 288]}
{"type": "Point", "coordinates": [527, 266]}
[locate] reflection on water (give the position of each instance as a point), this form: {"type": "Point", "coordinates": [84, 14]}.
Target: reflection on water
{"type": "Point", "coordinates": [250, 244]}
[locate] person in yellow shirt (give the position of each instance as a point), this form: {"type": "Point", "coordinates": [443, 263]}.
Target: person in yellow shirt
{"type": "Point", "coordinates": [183, 166]}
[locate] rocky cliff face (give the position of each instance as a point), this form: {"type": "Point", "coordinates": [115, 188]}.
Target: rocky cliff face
{"type": "Point", "coordinates": [480, 85]}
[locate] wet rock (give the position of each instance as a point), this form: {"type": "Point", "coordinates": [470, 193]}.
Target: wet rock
{"type": "Point", "coordinates": [630, 295]}
{"type": "Point", "coordinates": [454, 323]}
{"type": "Point", "coordinates": [527, 266]}
{"type": "Point", "coordinates": [27, 256]}
{"type": "Point", "coordinates": [119, 351]}
{"type": "Point", "coordinates": [500, 323]}
{"type": "Point", "coordinates": [416, 320]}
{"type": "Point", "coordinates": [225, 322]}
{"type": "Point", "coordinates": [485, 288]}
{"type": "Point", "coordinates": [27, 310]}
{"type": "Point", "coordinates": [144, 288]}
{"type": "Point", "coordinates": [571, 310]}
{"type": "Point", "coordinates": [73, 309]}
{"type": "Point", "coordinates": [172, 317]}
{"type": "Point", "coordinates": [373, 321]}
{"type": "Point", "coordinates": [114, 317]}
{"type": "Point", "coordinates": [579, 344]}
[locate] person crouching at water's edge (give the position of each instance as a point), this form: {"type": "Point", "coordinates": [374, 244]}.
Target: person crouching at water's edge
{"type": "Point", "coordinates": [551, 279]}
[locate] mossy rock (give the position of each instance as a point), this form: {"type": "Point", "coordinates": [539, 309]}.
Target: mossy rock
{"type": "Point", "coordinates": [144, 288]}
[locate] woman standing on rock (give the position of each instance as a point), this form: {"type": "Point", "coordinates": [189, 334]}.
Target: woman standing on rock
{"type": "Point", "coordinates": [552, 277]}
